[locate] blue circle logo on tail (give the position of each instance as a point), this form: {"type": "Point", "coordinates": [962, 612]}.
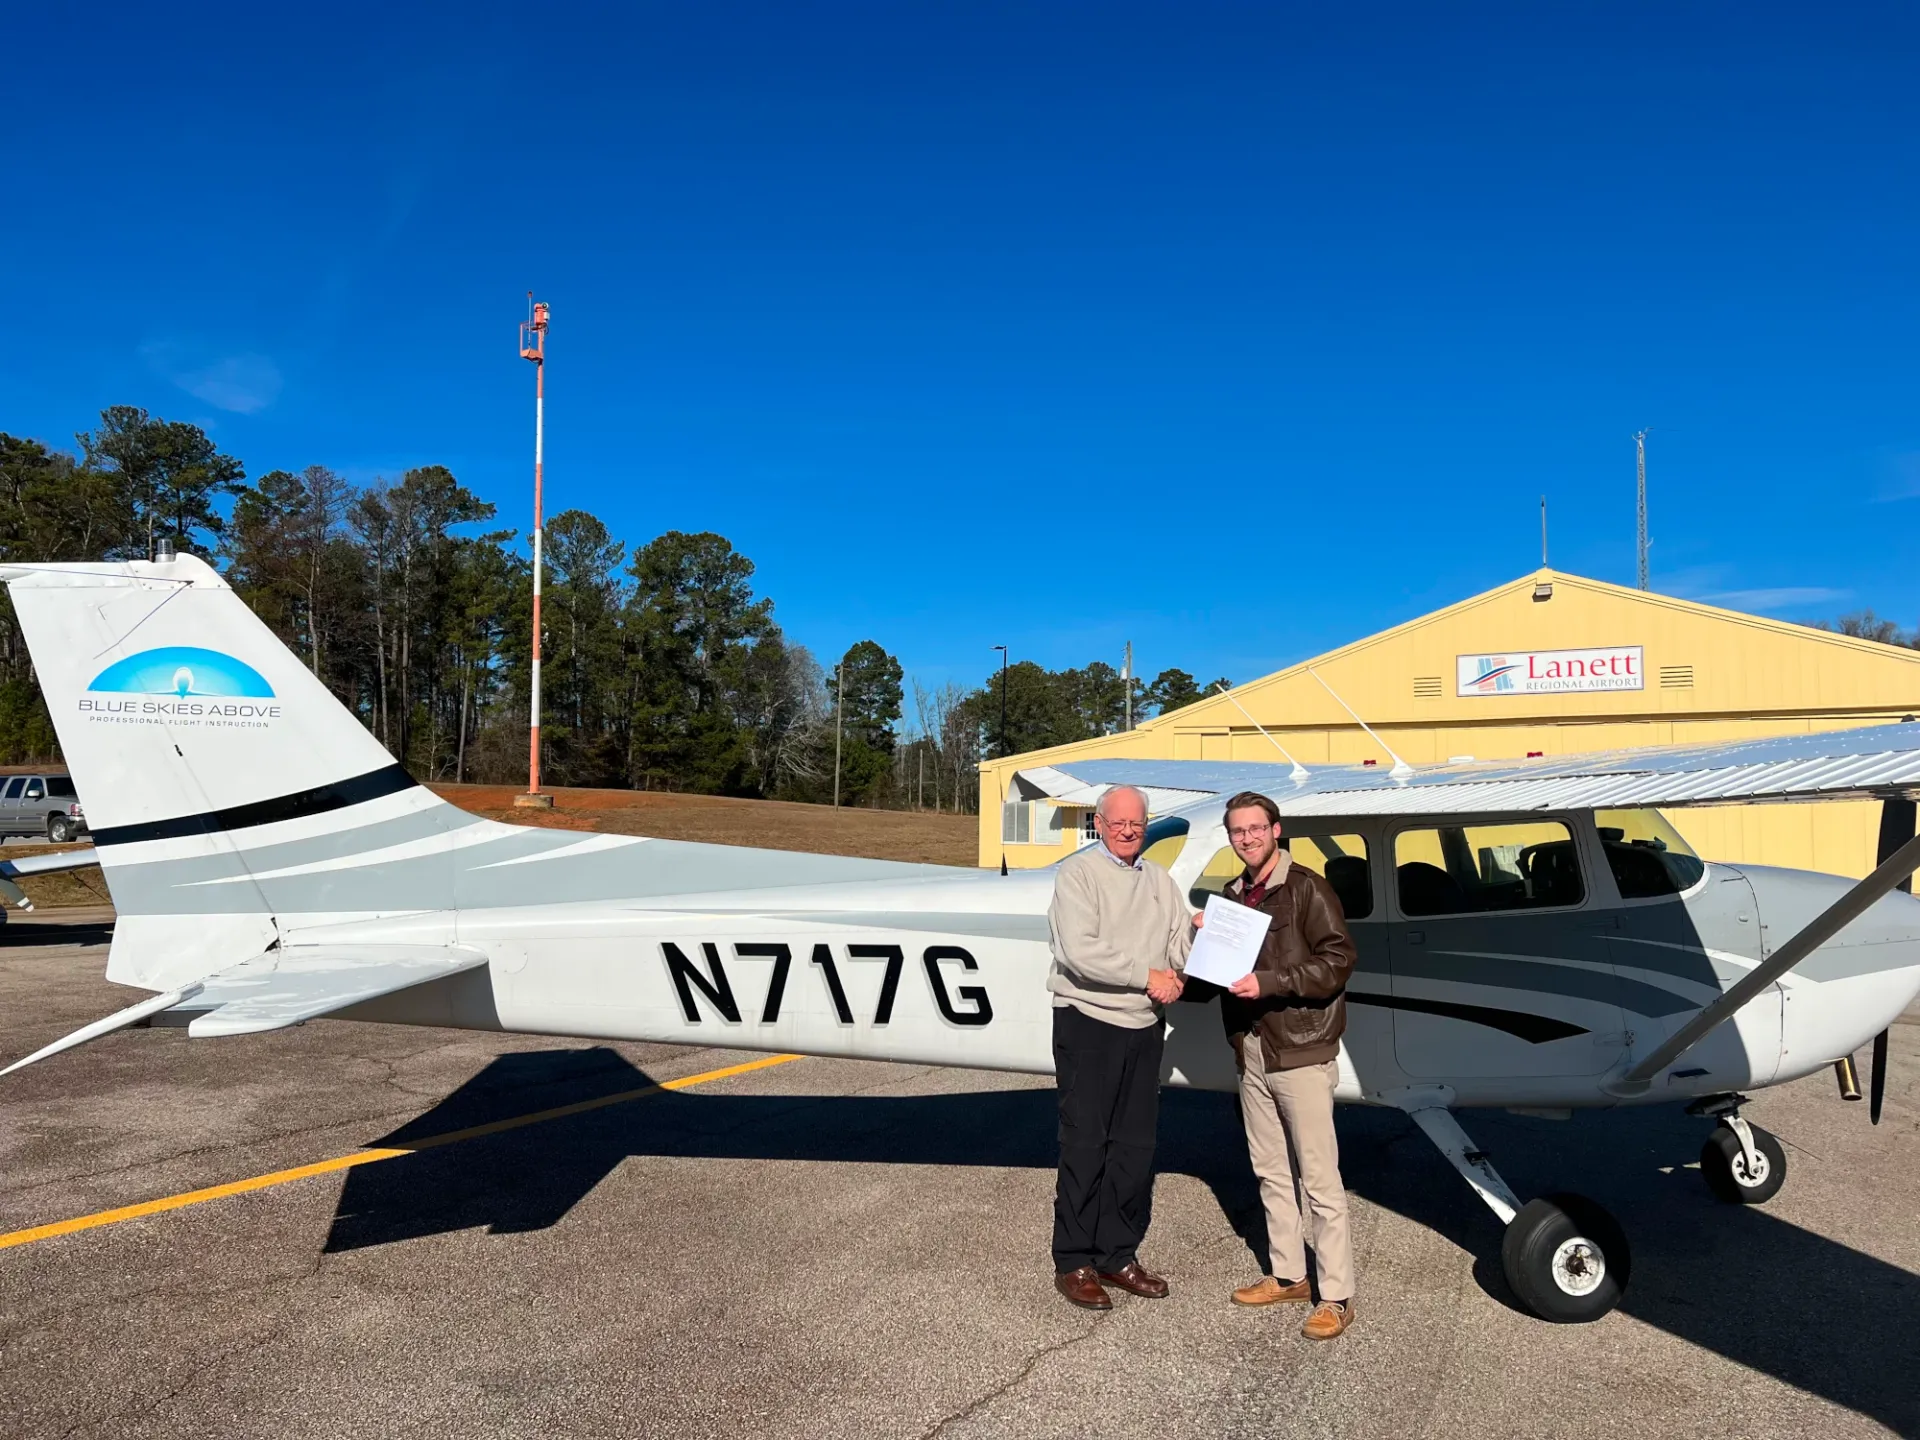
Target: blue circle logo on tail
{"type": "Point", "coordinates": [182, 670]}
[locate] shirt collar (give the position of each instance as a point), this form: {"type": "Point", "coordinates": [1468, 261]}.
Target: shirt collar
{"type": "Point", "coordinates": [1133, 864]}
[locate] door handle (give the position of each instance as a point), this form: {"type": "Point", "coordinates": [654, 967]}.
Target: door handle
{"type": "Point", "coordinates": [1416, 937]}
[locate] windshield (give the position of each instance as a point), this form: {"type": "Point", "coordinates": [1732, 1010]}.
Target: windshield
{"type": "Point", "coordinates": [1647, 855]}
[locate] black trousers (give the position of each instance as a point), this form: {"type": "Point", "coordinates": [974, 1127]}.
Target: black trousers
{"type": "Point", "coordinates": [1109, 1085]}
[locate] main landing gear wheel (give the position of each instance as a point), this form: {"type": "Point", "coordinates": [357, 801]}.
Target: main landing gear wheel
{"type": "Point", "coordinates": [1723, 1165]}
{"type": "Point", "coordinates": [1566, 1259]}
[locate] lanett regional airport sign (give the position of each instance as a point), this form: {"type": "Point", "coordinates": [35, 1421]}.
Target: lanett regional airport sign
{"type": "Point", "coordinates": [1541, 672]}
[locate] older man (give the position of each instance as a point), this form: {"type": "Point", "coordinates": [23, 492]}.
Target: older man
{"type": "Point", "coordinates": [1120, 938]}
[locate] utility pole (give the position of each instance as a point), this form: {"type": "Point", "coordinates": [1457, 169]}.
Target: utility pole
{"type": "Point", "coordinates": [1003, 698]}
{"type": "Point", "coordinates": [1640, 526]}
{"type": "Point", "coordinates": [839, 685]}
{"type": "Point", "coordinates": [533, 346]}
{"type": "Point", "coordinates": [1126, 682]}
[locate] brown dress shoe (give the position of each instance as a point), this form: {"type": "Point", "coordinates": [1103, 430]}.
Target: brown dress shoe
{"type": "Point", "coordinates": [1330, 1319]}
{"type": "Point", "coordinates": [1139, 1280]}
{"type": "Point", "coordinates": [1269, 1291]}
{"type": "Point", "coordinates": [1082, 1288]}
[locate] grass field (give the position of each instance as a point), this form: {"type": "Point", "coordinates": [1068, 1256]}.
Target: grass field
{"type": "Point", "coordinates": [768, 824]}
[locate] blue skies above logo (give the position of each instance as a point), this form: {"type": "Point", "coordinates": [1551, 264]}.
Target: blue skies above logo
{"type": "Point", "coordinates": [181, 685]}
{"type": "Point", "coordinates": [182, 671]}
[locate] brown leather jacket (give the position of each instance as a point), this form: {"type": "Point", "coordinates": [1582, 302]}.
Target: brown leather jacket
{"type": "Point", "coordinates": [1304, 964]}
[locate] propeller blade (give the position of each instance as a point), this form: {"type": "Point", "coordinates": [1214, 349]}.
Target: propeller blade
{"type": "Point", "coordinates": [1879, 1081]}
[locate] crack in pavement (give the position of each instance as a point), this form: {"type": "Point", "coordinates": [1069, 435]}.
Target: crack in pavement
{"type": "Point", "coordinates": [1025, 1373]}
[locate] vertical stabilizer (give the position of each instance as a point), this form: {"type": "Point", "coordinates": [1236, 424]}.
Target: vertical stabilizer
{"type": "Point", "coordinates": [209, 760]}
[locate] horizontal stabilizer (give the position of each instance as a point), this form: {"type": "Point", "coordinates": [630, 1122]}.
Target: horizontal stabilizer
{"type": "Point", "coordinates": [48, 864]}
{"type": "Point", "coordinates": [301, 982]}
{"type": "Point", "coordinates": [282, 987]}
{"type": "Point", "coordinates": [132, 1015]}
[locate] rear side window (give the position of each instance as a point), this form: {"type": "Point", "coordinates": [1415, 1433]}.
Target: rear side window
{"type": "Point", "coordinates": [1340, 860]}
{"type": "Point", "coordinates": [1473, 869]}
{"type": "Point", "coordinates": [61, 787]}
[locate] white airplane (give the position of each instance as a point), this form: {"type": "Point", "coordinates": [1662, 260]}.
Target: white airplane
{"type": "Point", "coordinates": [1531, 936]}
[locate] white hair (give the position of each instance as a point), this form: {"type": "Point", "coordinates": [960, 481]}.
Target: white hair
{"type": "Point", "coordinates": [1100, 808]}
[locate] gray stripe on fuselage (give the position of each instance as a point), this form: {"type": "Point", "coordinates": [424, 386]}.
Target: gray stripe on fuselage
{"type": "Point", "coordinates": [1541, 975]}
{"type": "Point", "coordinates": [941, 922]}
{"type": "Point", "coordinates": [457, 878]}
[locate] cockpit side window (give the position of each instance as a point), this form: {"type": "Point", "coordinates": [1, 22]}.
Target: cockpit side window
{"type": "Point", "coordinates": [1647, 856]}
{"type": "Point", "coordinates": [1475, 869]}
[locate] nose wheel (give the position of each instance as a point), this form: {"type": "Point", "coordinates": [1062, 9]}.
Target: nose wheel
{"type": "Point", "coordinates": [1742, 1164]}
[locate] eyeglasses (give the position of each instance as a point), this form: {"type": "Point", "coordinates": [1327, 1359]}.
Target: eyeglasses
{"type": "Point", "coordinates": [1125, 827]}
{"type": "Point", "coordinates": [1247, 832]}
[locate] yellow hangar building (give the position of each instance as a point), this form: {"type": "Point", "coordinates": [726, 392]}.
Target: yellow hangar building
{"type": "Point", "coordinates": [1550, 664]}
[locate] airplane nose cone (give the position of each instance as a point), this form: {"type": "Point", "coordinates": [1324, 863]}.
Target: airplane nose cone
{"type": "Point", "coordinates": [1852, 987]}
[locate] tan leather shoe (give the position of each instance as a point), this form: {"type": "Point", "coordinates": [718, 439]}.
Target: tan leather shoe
{"type": "Point", "coordinates": [1329, 1320]}
{"type": "Point", "coordinates": [1269, 1291]}
{"type": "Point", "coordinates": [1082, 1287]}
{"type": "Point", "coordinates": [1136, 1278]}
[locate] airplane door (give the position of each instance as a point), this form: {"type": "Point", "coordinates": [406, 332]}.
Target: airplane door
{"type": "Point", "coordinates": [1501, 963]}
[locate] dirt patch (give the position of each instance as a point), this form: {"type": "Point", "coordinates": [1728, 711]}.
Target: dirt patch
{"type": "Point", "coordinates": [768, 824]}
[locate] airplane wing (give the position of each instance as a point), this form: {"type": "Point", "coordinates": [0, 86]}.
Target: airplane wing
{"type": "Point", "coordinates": [282, 987]}
{"type": "Point", "coordinates": [11, 870]}
{"type": "Point", "coordinates": [1875, 762]}
{"type": "Point", "coordinates": [1871, 762]}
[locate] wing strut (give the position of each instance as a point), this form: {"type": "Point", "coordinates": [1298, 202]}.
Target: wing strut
{"type": "Point", "coordinates": [1849, 907]}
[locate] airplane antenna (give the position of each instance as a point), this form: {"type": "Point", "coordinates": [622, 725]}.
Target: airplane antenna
{"type": "Point", "coordinates": [1401, 770]}
{"type": "Point", "coordinates": [1300, 772]}
{"type": "Point", "coordinates": [1640, 530]}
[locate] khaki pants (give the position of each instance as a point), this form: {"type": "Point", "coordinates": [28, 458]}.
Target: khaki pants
{"type": "Point", "coordinates": [1289, 1120]}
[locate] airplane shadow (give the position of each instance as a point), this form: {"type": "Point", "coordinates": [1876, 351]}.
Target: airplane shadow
{"type": "Point", "coordinates": [1734, 1280]}
{"type": "Point", "coordinates": [55, 932]}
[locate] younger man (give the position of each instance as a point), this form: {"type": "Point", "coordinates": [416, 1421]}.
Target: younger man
{"type": "Point", "coordinates": [1284, 1022]}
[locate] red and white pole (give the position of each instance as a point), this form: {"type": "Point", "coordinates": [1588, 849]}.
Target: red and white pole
{"type": "Point", "coordinates": [533, 346]}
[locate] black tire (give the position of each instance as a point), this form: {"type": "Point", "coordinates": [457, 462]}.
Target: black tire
{"type": "Point", "coordinates": [1723, 1165]}
{"type": "Point", "coordinates": [59, 829]}
{"type": "Point", "coordinates": [1566, 1259]}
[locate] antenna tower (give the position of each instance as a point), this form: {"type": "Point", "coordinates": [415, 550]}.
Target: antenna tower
{"type": "Point", "coordinates": [1640, 525]}
{"type": "Point", "coordinates": [533, 346]}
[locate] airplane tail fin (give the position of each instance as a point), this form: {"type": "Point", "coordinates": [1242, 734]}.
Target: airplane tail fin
{"type": "Point", "coordinates": [208, 758]}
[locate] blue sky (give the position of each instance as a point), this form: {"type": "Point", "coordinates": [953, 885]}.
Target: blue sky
{"type": "Point", "coordinates": [1234, 330]}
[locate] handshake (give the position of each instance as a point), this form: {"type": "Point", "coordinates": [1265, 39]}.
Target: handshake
{"type": "Point", "coordinates": [1164, 986]}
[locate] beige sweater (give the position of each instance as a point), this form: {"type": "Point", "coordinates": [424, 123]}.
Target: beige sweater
{"type": "Point", "coordinates": [1111, 923]}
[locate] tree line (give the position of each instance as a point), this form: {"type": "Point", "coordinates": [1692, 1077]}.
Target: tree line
{"type": "Point", "coordinates": [662, 668]}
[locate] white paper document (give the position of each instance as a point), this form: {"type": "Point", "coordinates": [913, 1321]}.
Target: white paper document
{"type": "Point", "coordinates": [1229, 942]}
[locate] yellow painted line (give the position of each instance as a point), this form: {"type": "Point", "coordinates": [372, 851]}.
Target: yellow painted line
{"type": "Point", "coordinates": [368, 1157]}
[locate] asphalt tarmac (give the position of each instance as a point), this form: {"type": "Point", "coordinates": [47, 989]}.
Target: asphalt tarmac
{"type": "Point", "coordinates": [834, 1248]}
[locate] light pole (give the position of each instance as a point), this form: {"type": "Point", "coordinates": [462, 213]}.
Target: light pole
{"type": "Point", "coordinates": [1003, 699]}
{"type": "Point", "coordinates": [533, 346]}
{"type": "Point", "coordinates": [839, 688]}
